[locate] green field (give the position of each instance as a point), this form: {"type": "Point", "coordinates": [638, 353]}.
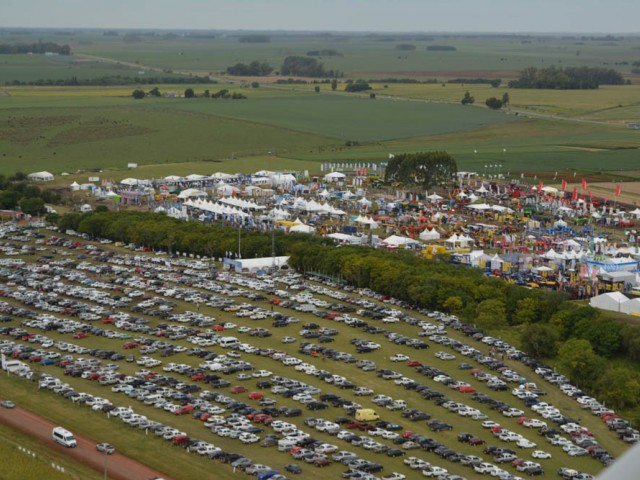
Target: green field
{"type": "Point", "coordinates": [72, 128]}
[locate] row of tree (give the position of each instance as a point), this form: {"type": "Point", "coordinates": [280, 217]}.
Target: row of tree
{"type": "Point", "coordinates": [421, 169]}
{"type": "Point", "coordinates": [39, 47]}
{"type": "Point", "coordinates": [190, 93]}
{"type": "Point", "coordinates": [253, 69]}
{"type": "Point", "coordinates": [566, 78]}
{"type": "Point", "coordinates": [114, 80]}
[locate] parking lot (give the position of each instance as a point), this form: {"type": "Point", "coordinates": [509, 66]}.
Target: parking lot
{"type": "Point", "coordinates": [271, 373]}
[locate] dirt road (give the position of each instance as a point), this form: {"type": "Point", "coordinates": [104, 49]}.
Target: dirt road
{"type": "Point", "coordinates": [119, 467]}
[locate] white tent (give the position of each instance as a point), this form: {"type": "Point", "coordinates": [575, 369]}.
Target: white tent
{"type": "Point", "coordinates": [611, 301]}
{"type": "Point", "coordinates": [334, 176]}
{"type": "Point", "coordinates": [194, 177]}
{"type": "Point", "coordinates": [74, 186]}
{"type": "Point", "coordinates": [40, 177]}
{"type": "Point", "coordinates": [482, 189]}
{"type": "Point", "coordinates": [344, 238]}
{"type": "Point", "coordinates": [396, 241]}
{"type": "Point", "coordinates": [130, 181]}
{"type": "Point", "coordinates": [173, 178]}
{"type": "Point", "coordinates": [429, 234]}
{"type": "Point", "coordinates": [192, 193]}
{"type": "Point", "coordinates": [302, 228]}
{"type": "Point", "coordinates": [480, 206]}
{"type": "Point", "coordinates": [434, 197]}
{"type": "Point", "coordinates": [631, 307]}
{"type": "Point", "coordinates": [635, 212]}
{"type": "Point", "coordinates": [550, 190]}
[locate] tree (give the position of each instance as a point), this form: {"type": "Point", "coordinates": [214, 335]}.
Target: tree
{"type": "Point", "coordinates": [604, 334]}
{"type": "Point", "coordinates": [334, 84]}
{"type": "Point", "coordinates": [302, 67]}
{"type": "Point", "coordinates": [359, 86]}
{"type": "Point", "coordinates": [491, 314]}
{"type": "Point", "coordinates": [32, 206]}
{"type": "Point", "coordinates": [540, 340]}
{"type": "Point", "coordinates": [505, 98]}
{"type": "Point", "coordinates": [526, 311]}
{"type": "Point", "coordinates": [155, 92]}
{"type": "Point", "coordinates": [372, 95]}
{"type": "Point", "coordinates": [316, 89]}
{"type": "Point", "coordinates": [189, 93]}
{"type": "Point", "coordinates": [138, 94]}
{"type": "Point", "coordinates": [579, 362]}
{"type": "Point", "coordinates": [422, 169]}
{"type": "Point", "coordinates": [467, 99]}
{"type": "Point", "coordinates": [494, 103]}
{"type": "Point", "coordinates": [453, 304]}
{"type": "Point", "coordinates": [619, 387]}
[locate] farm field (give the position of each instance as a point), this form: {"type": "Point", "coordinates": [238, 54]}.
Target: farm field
{"type": "Point", "coordinates": [373, 55]}
{"type": "Point", "coordinates": [178, 463]}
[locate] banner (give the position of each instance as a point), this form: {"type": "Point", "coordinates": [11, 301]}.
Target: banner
{"type": "Point", "coordinates": [564, 185]}
{"type": "Point", "coordinates": [618, 190]}
{"type": "Point", "coordinates": [584, 184]}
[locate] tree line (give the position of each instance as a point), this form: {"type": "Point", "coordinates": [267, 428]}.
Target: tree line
{"type": "Point", "coordinates": [567, 78]}
{"type": "Point", "coordinates": [115, 80]}
{"type": "Point", "coordinates": [39, 48]}
{"type": "Point", "coordinates": [253, 69]}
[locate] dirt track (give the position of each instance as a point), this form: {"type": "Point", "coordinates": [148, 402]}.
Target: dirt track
{"type": "Point", "coordinates": [119, 467]}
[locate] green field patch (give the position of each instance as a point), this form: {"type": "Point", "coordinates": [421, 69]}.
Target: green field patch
{"type": "Point", "coordinates": [97, 132]}
{"type": "Point", "coordinates": [351, 118]}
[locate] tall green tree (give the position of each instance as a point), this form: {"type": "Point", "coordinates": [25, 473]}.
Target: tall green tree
{"type": "Point", "coordinates": [491, 314]}
{"type": "Point", "coordinates": [580, 363]}
{"type": "Point", "coordinates": [467, 99]}
{"type": "Point", "coordinates": [422, 169]}
{"type": "Point", "coordinates": [540, 340]}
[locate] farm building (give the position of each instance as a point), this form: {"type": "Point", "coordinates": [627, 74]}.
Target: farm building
{"type": "Point", "coordinates": [40, 177]}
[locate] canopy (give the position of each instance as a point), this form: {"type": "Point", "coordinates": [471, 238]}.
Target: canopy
{"type": "Point", "coordinates": [334, 176]}
{"type": "Point", "coordinates": [396, 241]}
{"type": "Point", "coordinates": [429, 234]}
{"type": "Point", "coordinates": [192, 193]}
{"type": "Point", "coordinates": [40, 177]}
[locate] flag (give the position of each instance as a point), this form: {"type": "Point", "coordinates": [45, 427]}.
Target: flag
{"type": "Point", "coordinates": [540, 185]}
{"type": "Point", "coordinates": [584, 184]}
{"type": "Point", "coordinates": [564, 185]}
{"type": "Point", "coordinates": [618, 190]}
{"type": "Point", "coordinates": [574, 196]}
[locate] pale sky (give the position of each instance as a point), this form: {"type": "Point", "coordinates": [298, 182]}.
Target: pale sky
{"type": "Point", "coordinates": [544, 16]}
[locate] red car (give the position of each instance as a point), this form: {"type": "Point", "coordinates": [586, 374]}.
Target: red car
{"type": "Point", "coordinates": [466, 389]}
{"type": "Point", "coordinates": [237, 389]}
{"type": "Point", "coordinates": [198, 377]}
{"type": "Point", "coordinates": [80, 335]}
{"type": "Point", "coordinates": [130, 345]}
{"type": "Point", "coordinates": [256, 395]}
{"type": "Point", "coordinates": [521, 420]}
{"type": "Point", "coordinates": [414, 363]}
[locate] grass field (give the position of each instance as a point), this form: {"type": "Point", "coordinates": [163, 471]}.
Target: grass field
{"type": "Point", "coordinates": [35, 462]}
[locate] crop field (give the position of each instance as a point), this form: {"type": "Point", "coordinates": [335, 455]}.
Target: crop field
{"type": "Point", "coordinates": [177, 463]}
{"type": "Point", "coordinates": [105, 129]}
{"type": "Point", "coordinates": [373, 55]}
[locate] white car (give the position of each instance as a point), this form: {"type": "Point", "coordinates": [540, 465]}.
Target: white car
{"type": "Point", "coordinates": [540, 454]}
{"type": "Point", "coordinates": [524, 443]}
{"type": "Point", "coordinates": [262, 373]}
{"type": "Point", "coordinates": [490, 424]}
{"type": "Point", "coordinates": [513, 412]}
{"type": "Point", "coordinates": [434, 471]}
{"type": "Point", "coordinates": [534, 423]}
{"type": "Point", "coordinates": [485, 468]}
{"type": "Point", "coordinates": [288, 340]}
{"type": "Point", "coordinates": [445, 356]}
{"type": "Point", "coordinates": [399, 357]}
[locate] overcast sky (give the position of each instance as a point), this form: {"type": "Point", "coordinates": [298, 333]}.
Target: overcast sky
{"type": "Point", "coordinates": [571, 16]}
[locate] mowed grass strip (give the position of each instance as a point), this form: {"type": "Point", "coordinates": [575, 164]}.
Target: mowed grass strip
{"type": "Point", "coordinates": [20, 465]}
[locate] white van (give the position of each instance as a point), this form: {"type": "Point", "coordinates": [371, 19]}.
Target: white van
{"type": "Point", "coordinates": [63, 437]}
{"type": "Point", "coordinates": [228, 342]}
